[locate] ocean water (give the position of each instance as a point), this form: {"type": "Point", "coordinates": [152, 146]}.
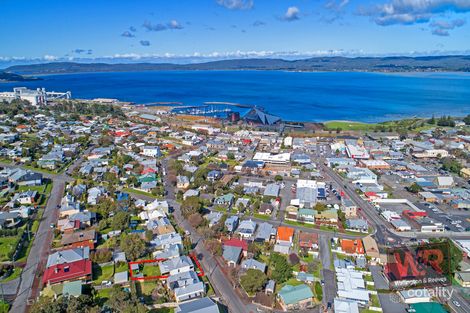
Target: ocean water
{"type": "Point", "coordinates": [295, 96]}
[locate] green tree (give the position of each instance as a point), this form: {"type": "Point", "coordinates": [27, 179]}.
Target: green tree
{"type": "Point", "coordinates": [120, 220]}
{"type": "Point", "coordinates": [278, 178]}
{"type": "Point", "coordinates": [190, 206]}
{"type": "Point", "coordinates": [133, 246]}
{"type": "Point", "coordinates": [280, 269]}
{"type": "Point", "coordinates": [253, 280]}
{"type": "Point", "coordinates": [415, 188]}
{"type": "Point", "coordinates": [230, 156]}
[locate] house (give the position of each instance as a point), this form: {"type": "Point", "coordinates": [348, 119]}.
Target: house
{"type": "Point", "coordinates": [225, 200]}
{"type": "Point", "coordinates": [415, 296]}
{"type": "Point", "coordinates": [295, 297]}
{"type": "Point", "coordinates": [176, 265]}
{"type": "Point", "coordinates": [351, 285]}
{"type": "Point", "coordinates": [81, 239]}
{"type": "Point", "coordinates": [306, 215]}
{"type": "Point", "coordinates": [151, 151]}
{"type": "Point", "coordinates": [70, 289]}
{"type": "Point", "coordinates": [27, 197]}
{"type": "Point", "coordinates": [121, 278]}
{"type": "Point", "coordinates": [444, 181]}
{"type": "Point", "coordinates": [284, 239]}
{"type": "Point", "coordinates": [214, 175]}
{"type": "Point", "coordinates": [348, 207]}
{"type": "Point", "coordinates": [30, 179]}
{"type": "Point", "coordinates": [266, 209]}
{"type": "Point", "coordinates": [357, 224]}
{"type": "Point", "coordinates": [190, 193]}
{"type": "Point", "coordinates": [308, 241]}
{"type": "Point", "coordinates": [203, 305]}
{"type": "Point", "coordinates": [352, 247]}
{"type": "Point", "coordinates": [186, 286]}
{"type": "Point", "coordinates": [182, 182]}
{"type": "Point", "coordinates": [93, 195]}
{"type": "Point", "coordinates": [266, 233]}
{"type": "Point", "coordinates": [270, 287]}
{"type": "Point", "coordinates": [463, 278]}
{"type": "Point", "coordinates": [68, 265]}
{"type": "Point", "coordinates": [231, 223]}
{"type": "Point", "coordinates": [246, 229]}
{"type": "Point", "coordinates": [232, 255]}
{"type": "Point", "coordinates": [9, 219]}
{"type": "Point", "coordinates": [253, 264]}
{"type": "Point", "coordinates": [271, 190]}
{"type": "Point", "coordinates": [68, 206]}
{"type": "Point", "coordinates": [345, 306]}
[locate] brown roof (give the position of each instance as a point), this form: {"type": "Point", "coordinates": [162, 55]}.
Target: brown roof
{"type": "Point", "coordinates": [78, 236]}
{"type": "Point", "coordinates": [309, 238]}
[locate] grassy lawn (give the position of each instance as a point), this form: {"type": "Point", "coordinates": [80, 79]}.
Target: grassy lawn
{"type": "Point", "coordinates": [151, 270]}
{"type": "Point", "coordinates": [262, 216]}
{"type": "Point", "coordinates": [121, 267]}
{"type": "Point", "coordinates": [347, 125]}
{"type": "Point", "coordinates": [368, 278]}
{"type": "Point", "coordinates": [139, 192]}
{"type": "Point", "coordinates": [4, 307]}
{"type": "Point", "coordinates": [39, 170]}
{"type": "Point", "coordinates": [16, 273]}
{"type": "Point", "coordinates": [295, 223]}
{"type": "Point", "coordinates": [7, 246]}
{"type": "Point", "coordinates": [102, 273]}
{"type": "Point", "coordinates": [375, 301]}
{"type": "Point", "coordinates": [39, 188]}
{"type": "Point", "coordinates": [104, 293]}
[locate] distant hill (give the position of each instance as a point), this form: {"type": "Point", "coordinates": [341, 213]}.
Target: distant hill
{"type": "Point", "coordinates": [11, 77]}
{"type": "Point", "coordinates": [329, 64]}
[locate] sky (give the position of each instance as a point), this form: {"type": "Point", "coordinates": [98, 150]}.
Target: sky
{"type": "Point", "coordinates": [191, 31]}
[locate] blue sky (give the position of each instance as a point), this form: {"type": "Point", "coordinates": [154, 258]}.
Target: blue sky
{"type": "Point", "coordinates": [182, 30]}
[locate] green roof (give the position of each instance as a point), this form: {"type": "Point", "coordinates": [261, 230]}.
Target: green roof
{"type": "Point", "coordinates": [294, 294]}
{"type": "Point", "coordinates": [307, 212]}
{"type": "Point", "coordinates": [147, 178]}
{"type": "Point", "coordinates": [73, 288]}
{"type": "Point", "coordinates": [428, 307]}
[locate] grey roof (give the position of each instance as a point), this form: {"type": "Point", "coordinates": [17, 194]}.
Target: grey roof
{"type": "Point", "coordinates": [232, 253]}
{"type": "Point", "coordinates": [175, 263]}
{"type": "Point", "coordinates": [252, 263]}
{"type": "Point", "coordinates": [272, 190]}
{"type": "Point", "coordinates": [265, 231]}
{"type": "Point", "coordinates": [203, 305]}
{"type": "Point", "coordinates": [68, 256]}
{"type": "Point", "coordinates": [121, 277]}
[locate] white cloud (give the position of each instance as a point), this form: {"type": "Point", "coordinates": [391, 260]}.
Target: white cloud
{"type": "Point", "coordinates": [173, 24]}
{"type": "Point", "coordinates": [441, 27]}
{"type": "Point", "coordinates": [236, 4]}
{"type": "Point", "coordinates": [416, 11]}
{"type": "Point", "coordinates": [48, 57]}
{"type": "Point", "coordinates": [291, 14]}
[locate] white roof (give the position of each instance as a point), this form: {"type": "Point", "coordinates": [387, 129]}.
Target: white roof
{"type": "Point", "coordinates": [346, 306]}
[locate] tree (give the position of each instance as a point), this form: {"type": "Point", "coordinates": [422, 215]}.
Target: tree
{"type": "Point", "coordinates": [466, 120]}
{"type": "Point", "coordinates": [195, 220]}
{"type": "Point", "coordinates": [123, 302]}
{"type": "Point", "coordinates": [280, 270]}
{"type": "Point", "coordinates": [120, 220]}
{"type": "Point", "coordinates": [432, 120]}
{"type": "Point", "coordinates": [214, 246]}
{"type": "Point", "coordinates": [133, 246]}
{"type": "Point", "coordinates": [320, 207]}
{"type": "Point", "coordinates": [451, 165]}
{"type": "Point", "coordinates": [230, 156]}
{"type": "Point", "coordinates": [253, 280]}
{"type": "Point", "coordinates": [278, 178]}
{"type": "Point", "coordinates": [190, 206]}
{"type": "Point", "coordinates": [415, 188]}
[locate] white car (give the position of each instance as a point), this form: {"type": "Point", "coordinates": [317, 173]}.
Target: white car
{"type": "Point", "coordinates": [456, 303]}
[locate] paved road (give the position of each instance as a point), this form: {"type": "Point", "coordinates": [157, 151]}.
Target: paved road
{"type": "Point", "coordinates": [40, 248]}
{"type": "Point", "coordinates": [329, 278]}
{"type": "Point", "coordinates": [464, 306]}
{"type": "Point", "coordinates": [221, 284]}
